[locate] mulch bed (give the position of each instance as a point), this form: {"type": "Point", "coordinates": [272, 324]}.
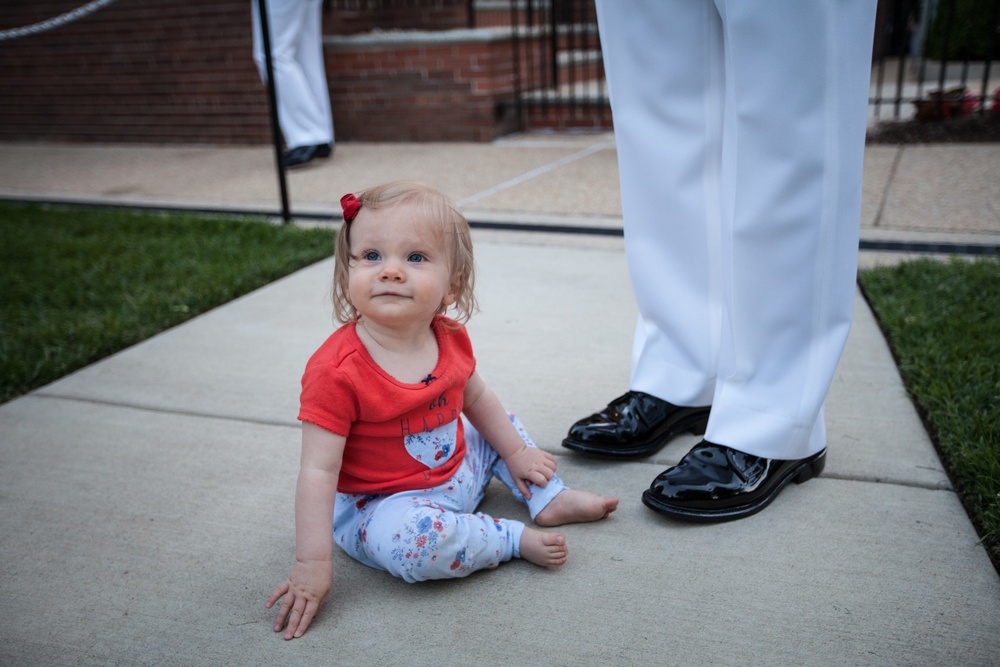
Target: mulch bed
{"type": "Point", "coordinates": [976, 128]}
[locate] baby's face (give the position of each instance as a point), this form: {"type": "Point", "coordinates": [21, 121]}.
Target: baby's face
{"type": "Point", "coordinates": [400, 274]}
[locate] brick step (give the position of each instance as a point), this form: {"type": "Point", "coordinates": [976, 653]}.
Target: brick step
{"type": "Point", "coordinates": [567, 119]}
{"type": "Point", "coordinates": [496, 14]}
{"type": "Point", "coordinates": [563, 114]}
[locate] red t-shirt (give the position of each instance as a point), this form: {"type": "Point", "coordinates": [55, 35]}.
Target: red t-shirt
{"type": "Point", "coordinates": [399, 436]}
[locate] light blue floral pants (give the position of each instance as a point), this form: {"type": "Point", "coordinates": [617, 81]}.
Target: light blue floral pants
{"type": "Point", "coordinates": [436, 533]}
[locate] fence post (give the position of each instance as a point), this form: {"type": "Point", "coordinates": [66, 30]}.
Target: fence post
{"type": "Point", "coordinates": [272, 98]}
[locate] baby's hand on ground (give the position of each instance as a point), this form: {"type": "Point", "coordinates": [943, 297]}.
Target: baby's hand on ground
{"type": "Point", "coordinates": [530, 464]}
{"type": "Point", "coordinates": [304, 591]}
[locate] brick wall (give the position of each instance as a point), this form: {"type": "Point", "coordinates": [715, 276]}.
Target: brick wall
{"type": "Point", "coordinates": [346, 17]}
{"type": "Point", "coordinates": [440, 86]}
{"type": "Point", "coordinates": [181, 71]}
{"type": "Point", "coordinates": [135, 71]}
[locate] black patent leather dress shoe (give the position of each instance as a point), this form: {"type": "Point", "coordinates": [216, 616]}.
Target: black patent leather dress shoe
{"type": "Point", "coordinates": [298, 157]}
{"type": "Point", "coordinates": [634, 424]}
{"type": "Point", "coordinates": [716, 483]}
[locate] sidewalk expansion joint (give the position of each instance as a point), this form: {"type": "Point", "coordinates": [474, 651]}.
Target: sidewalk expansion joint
{"type": "Point", "coordinates": [166, 411]}
{"type": "Point", "coordinates": [534, 173]}
{"type": "Point", "coordinates": [888, 185]}
{"type": "Point", "coordinates": [930, 486]}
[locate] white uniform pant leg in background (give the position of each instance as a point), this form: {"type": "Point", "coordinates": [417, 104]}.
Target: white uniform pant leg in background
{"type": "Point", "coordinates": [436, 533]}
{"type": "Point", "coordinates": [299, 73]}
{"type": "Point", "coordinates": [740, 133]}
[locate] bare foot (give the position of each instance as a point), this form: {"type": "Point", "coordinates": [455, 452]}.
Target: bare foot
{"type": "Point", "coordinates": [545, 549]}
{"type": "Point", "coordinates": [572, 506]}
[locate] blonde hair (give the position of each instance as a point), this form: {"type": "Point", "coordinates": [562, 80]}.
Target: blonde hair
{"type": "Point", "coordinates": [452, 225]}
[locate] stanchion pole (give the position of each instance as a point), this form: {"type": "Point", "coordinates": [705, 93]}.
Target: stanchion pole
{"type": "Point", "coordinates": [272, 98]}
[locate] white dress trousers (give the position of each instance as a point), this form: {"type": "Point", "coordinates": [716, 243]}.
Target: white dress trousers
{"type": "Point", "coordinates": [740, 128]}
{"type": "Point", "coordinates": [299, 74]}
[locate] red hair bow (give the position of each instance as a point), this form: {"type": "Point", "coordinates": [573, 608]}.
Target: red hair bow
{"type": "Point", "coordinates": [351, 206]}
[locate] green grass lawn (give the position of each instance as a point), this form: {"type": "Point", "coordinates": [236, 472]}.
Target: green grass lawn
{"type": "Point", "coordinates": [942, 320]}
{"type": "Point", "coordinates": [78, 284]}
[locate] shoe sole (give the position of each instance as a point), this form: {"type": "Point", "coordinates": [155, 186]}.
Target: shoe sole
{"type": "Point", "coordinates": [695, 424]}
{"type": "Point", "coordinates": [806, 470]}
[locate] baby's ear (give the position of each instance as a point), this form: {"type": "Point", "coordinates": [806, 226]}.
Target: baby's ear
{"type": "Point", "coordinates": [451, 296]}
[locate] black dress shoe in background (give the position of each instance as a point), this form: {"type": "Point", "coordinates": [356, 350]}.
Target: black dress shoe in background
{"type": "Point", "coordinates": [634, 424]}
{"type": "Point", "coordinates": [297, 157]}
{"type": "Point", "coordinates": [716, 483]}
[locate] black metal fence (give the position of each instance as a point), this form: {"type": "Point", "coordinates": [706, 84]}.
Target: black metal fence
{"type": "Point", "coordinates": [932, 58]}
{"type": "Point", "coordinates": [559, 54]}
{"type": "Point", "coordinates": [935, 58]}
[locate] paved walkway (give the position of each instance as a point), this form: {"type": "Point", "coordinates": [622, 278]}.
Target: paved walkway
{"type": "Point", "coordinates": [146, 501]}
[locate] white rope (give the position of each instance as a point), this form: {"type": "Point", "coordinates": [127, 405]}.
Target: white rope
{"type": "Point", "coordinates": [55, 22]}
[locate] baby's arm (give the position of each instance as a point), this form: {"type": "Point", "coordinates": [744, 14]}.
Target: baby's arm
{"type": "Point", "coordinates": [312, 576]}
{"type": "Point", "coordinates": [484, 411]}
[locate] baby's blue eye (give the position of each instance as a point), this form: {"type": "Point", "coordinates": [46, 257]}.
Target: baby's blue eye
{"type": "Point", "coordinates": [371, 256]}
{"type": "Point", "coordinates": [415, 257]}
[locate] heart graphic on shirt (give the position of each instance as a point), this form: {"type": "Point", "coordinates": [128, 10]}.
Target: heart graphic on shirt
{"type": "Point", "coordinates": [434, 447]}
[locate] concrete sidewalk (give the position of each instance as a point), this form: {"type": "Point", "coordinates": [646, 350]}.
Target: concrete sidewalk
{"type": "Point", "coordinates": [146, 501]}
